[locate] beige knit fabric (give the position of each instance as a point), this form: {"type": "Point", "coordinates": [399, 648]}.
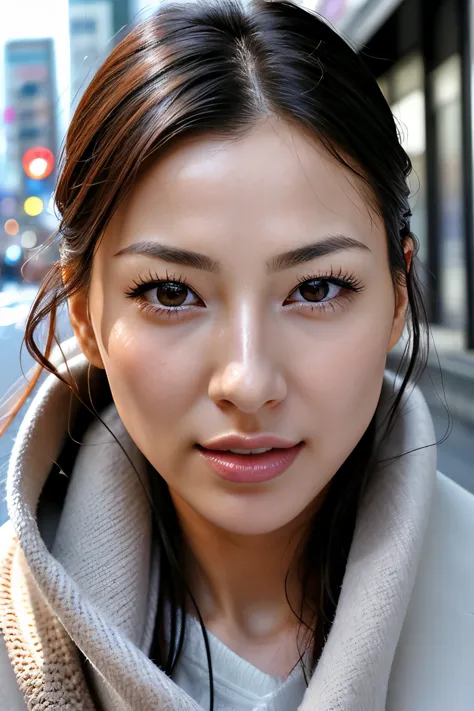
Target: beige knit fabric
{"type": "Point", "coordinates": [44, 659]}
{"type": "Point", "coordinates": [99, 581]}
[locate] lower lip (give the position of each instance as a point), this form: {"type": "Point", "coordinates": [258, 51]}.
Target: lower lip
{"type": "Point", "coordinates": [251, 468]}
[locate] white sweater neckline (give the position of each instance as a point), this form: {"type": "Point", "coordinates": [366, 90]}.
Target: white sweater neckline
{"type": "Point", "coordinates": [237, 682]}
{"type": "Point", "coordinates": [100, 582]}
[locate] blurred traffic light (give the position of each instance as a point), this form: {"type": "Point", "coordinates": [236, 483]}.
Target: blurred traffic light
{"type": "Point", "coordinates": [38, 162]}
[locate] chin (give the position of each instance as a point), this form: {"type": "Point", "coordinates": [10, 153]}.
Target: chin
{"type": "Point", "coordinates": [250, 528]}
{"type": "Point", "coordinates": [253, 517]}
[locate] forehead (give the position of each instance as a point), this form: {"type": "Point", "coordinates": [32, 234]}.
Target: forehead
{"type": "Point", "coordinates": [274, 184]}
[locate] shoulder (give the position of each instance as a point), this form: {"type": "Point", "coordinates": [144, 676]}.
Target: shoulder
{"type": "Point", "coordinates": [11, 699]}
{"type": "Point", "coordinates": [435, 656]}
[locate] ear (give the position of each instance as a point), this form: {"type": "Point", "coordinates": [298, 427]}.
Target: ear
{"type": "Point", "coordinates": [401, 298]}
{"type": "Point", "coordinates": [79, 315]}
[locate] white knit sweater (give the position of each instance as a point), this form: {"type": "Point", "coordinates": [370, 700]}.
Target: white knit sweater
{"type": "Point", "coordinates": [238, 685]}
{"type": "Point", "coordinates": [100, 580]}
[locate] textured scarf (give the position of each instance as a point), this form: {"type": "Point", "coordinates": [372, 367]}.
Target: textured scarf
{"type": "Point", "coordinates": [77, 614]}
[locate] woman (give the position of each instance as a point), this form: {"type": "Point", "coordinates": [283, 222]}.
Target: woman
{"type": "Point", "coordinates": [219, 498]}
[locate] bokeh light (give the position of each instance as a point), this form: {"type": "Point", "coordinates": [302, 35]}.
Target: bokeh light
{"type": "Point", "coordinates": [38, 168]}
{"type": "Point", "coordinates": [38, 163]}
{"type": "Point", "coordinates": [33, 206]}
{"type": "Point", "coordinates": [11, 227]}
{"type": "Point", "coordinates": [8, 206]}
{"type": "Point", "coordinates": [13, 254]}
{"type": "Point", "coordinates": [9, 114]}
{"type": "Point", "coordinates": [29, 239]}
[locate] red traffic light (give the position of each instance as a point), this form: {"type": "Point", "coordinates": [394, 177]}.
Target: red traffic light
{"type": "Point", "coordinates": [38, 163]}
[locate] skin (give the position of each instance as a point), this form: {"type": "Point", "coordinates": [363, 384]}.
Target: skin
{"type": "Point", "coordinates": [244, 359]}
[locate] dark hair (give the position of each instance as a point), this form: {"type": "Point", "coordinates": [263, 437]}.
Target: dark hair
{"type": "Point", "coordinates": [218, 68]}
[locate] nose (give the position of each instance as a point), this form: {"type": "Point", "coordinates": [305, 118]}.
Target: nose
{"type": "Point", "coordinates": [247, 375]}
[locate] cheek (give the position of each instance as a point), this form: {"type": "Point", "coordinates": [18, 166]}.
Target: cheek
{"type": "Point", "coordinates": [152, 374]}
{"type": "Point", "coordinates": [154, 382]}
{"type": "Point", "coordinates": [343, 376]}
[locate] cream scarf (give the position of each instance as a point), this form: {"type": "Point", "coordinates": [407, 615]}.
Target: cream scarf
{"type": "Point", "coordinates": [95, 588]}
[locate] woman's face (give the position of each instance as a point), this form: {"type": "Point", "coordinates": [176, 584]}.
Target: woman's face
{"type": "Point", "coordinates": [261, 304]}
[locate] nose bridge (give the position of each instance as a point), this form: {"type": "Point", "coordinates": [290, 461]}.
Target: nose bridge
{"type": "Point", "coordinates": [247, 374]}
{"type": "Point", "coordinates": [246, 336]}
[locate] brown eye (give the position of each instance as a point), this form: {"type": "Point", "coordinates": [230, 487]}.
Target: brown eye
{"type": "Point", "coordinates": [316, 290]}
{"type": "Point", "coordinates": [171, 293]}
{"type": "Point", "coordinates": [160, 295]}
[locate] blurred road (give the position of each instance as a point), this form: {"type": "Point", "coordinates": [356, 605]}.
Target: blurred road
{"type": "Point", "coordinates": [455, 456]}
{"type": "Point", "coordinates": [15, 302]}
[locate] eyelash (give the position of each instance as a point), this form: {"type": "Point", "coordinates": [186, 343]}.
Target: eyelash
{"type": "Point", "coordinates": [144, 284]}
{"type": "Point", "coordinates": [347, 281]}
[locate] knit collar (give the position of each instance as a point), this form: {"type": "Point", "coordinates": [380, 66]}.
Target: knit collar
{"type": "Point", "coordinates": [100, 576]}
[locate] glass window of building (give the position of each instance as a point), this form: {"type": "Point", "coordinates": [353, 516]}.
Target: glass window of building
{"type": "Point", "coordinates": [407, 100]}
{"type": "Point", "coordinates": [447, 97]}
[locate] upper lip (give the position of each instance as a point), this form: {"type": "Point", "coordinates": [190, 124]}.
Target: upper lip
{"type": "Point", "coordinates": [260, 441]}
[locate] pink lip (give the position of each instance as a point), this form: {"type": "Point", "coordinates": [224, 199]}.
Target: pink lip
{"type": "Point", "coordinates": [251, 468]}
{"type": "Point", "coordinates": [260, 441]}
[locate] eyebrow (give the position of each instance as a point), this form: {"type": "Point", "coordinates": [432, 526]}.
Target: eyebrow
{"type": "Point", "coordinates": [172, 254]}
{"type": "Point", "coordinates": [329, 245]}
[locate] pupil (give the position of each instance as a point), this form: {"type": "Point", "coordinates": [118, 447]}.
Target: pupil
{"type": "Point", "coordinates": [170, 294]}
{"type": "Point", "coordinates": [314, 290]}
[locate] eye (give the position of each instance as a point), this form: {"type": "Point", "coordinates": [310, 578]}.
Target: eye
{"type": "Point", "coordinates": [316, 291]}
{"type": "Point", "coordinates": [159, 296]}
{"type": "Point", "coordinates": [172, 294]}
{"type": "Point", "coordinates": [325, 292]}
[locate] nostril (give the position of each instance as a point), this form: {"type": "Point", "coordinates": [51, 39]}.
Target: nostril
{"type": "Point", "coordinates": [248, 386]}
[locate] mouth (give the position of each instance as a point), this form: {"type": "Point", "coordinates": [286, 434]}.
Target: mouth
{"type": "Point", "coordinates": [250, 465]}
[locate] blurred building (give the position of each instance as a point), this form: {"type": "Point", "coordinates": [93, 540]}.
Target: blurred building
{"type": "Point", "coordinates": [34, 113]}
{"type": "Point", "coordinates": [49, 50]}
{"type": "Point", "coordinates": [95, 27]}
{"type": "Point", "coordinates": [91, 31]}
{"type": "Point", "coordinates": [421, 52]}
{"type": "Point", "coordinates": [29, 123]}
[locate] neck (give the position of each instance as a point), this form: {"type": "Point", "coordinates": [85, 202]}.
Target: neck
{"type": "Point", "coordinates": [248, 583]}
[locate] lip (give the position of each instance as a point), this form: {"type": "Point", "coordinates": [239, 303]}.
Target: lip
{"type": "Point", "coordinates": [260, 441]}
{"type": "Point", "coordinates": [251, 468]}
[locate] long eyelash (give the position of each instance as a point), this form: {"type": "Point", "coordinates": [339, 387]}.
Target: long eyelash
{"type": "Point", "coordinates": [348, 281]}
{"type": "Point", "coordinates": [345, 279]}
{"type": "Point", "coordinates": [143, 284]}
